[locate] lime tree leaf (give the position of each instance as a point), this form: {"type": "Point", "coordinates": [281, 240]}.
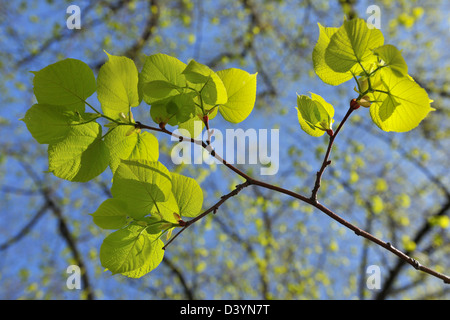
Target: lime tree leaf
{"type": "Point", "coordinates": [134, 146]}
{"type": "Point", "coordinates": [392, 57]}
{"type": "Point", "coordinates": [131, 251]}
{"type": "Point", "coordinates": [191, 128]}
{"type": "Point", "coordinates": [117, 86]}
{"type": "Point", "coordinates": [160, 89]}
{"type": "Point", "coordinates": [165, 209]}
{"type": "Point", "coordinates": [401, 106]}
{"type": "Point", "coordinates": [241, 90]}
{"type": "Point", "coordinates": [81, 156]}
{"type": "Point", "coordinates": [67, 84]}
{"type": "Point", "coordinates": [315, 115]}
{"type": "Point", "coordinates": [47, 123]}
{"type": "Point", "coordinates": [161, 67]}
{"type": "Point", "coordinates": [175, 109]}
{"type": "Point", "coordinates": [112, 214]}
{"type": "Point", "coordinates": [188, 195]}
{"type": "Point", "coordinates": [323, 71]}
{"type": "Point", "coordinates": [207, 82]}
{"type": "Point", "coordinates": [141, 184]}
{"type": "Point", "coordinates": [352, 44]}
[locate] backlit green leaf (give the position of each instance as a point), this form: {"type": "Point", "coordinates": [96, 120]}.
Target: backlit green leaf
{"type": "Point", "coordinates": [241, 90]}
{"type": "Point", "coordinates": [315, 115]}
{"type": "Point", "coordinates": [392, 58]}
{"type": "Point", "coordinates": [175, 109]}
{"type": "Point", "coordinates": [323, 71]}
{"type": "Point", "coordinates": [141, 184]}
{"type": "Point", "coordinates": [131, 251]}
{"type": "Point", "coordinates": [160, 89]}
{"type": "Point", "coordinates": [111, 214]}
{"type": "Point", "coordinates": [352, 44]}
{"type": "Point", "coordinates": [67, 84]}
{"type": "Point", "coordinates": [193, 127]}
{"type": "Point", "coordinates": [161, 67]}
{"type": "Point", "coordinates": [134, 146]}
{"type": "Point", "coordinates": [47, 123]}
{"type": "Point", "coordinates": [188, 195]}
{"type": "Point", "coordinates": [208, 83]}
{"type": "Point", "coordinates": [402, 105]}
{"type": "Point", "coordinates": [81, 156]}
{"type": "Point", "coordinates": [117, 86]}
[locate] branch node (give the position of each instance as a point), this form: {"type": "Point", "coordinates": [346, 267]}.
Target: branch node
{"type": "Point", "coordinates": [416, 264]}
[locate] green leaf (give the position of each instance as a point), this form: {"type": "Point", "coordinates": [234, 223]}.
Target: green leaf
{"type": "Point", "coordinates": [131, 251]}
{"type": "Point", "coordinates": [241, 90]}
{"type": "Point", "coordinates": [135, 146]}
{"type": "Point", "coordinates": [392, 58]}
{"type": "Point", "coordinates": [160, 89]}
{"type": "Point", "coordinates": [206, 81]}
{"type": "Point", "coordinates": [175, 109]}
{"type": "Point", "coordinates": [165, 209]}
{"type": "Point", "coordinates": [67, 84]}
{"type": "Point", "coordinates": [402, 106]}
{"type": "Point", "coordinates": [323, 71]}
{"type": "Point", "coordinates": [81, 156]}
{"type": "Point", "coordinates": [315, 115]}
{"type": "Point", "coordinates": [47, 123]}
{"type": "Point", "coordinates": [352, 44]}
{"type": "Point", "coordinates": [161, 67]}
{"type": "Point", "coordinates": [141, 184]}
{"type": "Point", "coordinates": [193, 126]}
{"type": "Point", "coordinates": [112, 214]}
{"type": "Point", "coordinates": [117, 86]}
{"type": "Point", "coordinates": [188, 195]}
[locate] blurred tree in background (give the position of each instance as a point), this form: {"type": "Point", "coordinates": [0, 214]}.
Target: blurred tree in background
{"type": "Point", "coordinates": [259, 245]}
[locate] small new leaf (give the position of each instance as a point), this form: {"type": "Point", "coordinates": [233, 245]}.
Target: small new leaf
{"type": "Point", "coordinates": [392, 57]}
{"type": "Point", "coordinates": [315, 115]}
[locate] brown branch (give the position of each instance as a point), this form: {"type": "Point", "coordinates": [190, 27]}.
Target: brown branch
{"type": "Point", "coordinates": [394, 273]}
{"type": "Point", "coordinates": [312, 201]}
{"type": "Point", "coordinates": [326, 162]}
{"type": "Point", "coordinates": [213, 209]}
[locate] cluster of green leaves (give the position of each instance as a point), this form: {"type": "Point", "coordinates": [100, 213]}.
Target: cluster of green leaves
{"type": "Point", "coordinates": [181, 94]}
{"type": "Point", "coordinates": [147, 200]}
{"type": "Point", "coordinates": [396, 101]}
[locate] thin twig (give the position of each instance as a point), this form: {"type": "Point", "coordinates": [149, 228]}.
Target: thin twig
{"type": "Point", "coordinates": [326, 162]}
{"type": "Point", "coordinates": [213, 209]}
